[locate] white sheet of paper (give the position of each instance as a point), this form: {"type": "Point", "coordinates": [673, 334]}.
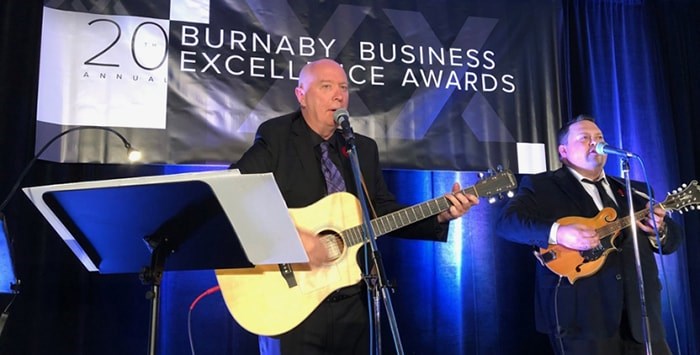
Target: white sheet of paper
{"type": "Point", "coordinates": [255, 207]}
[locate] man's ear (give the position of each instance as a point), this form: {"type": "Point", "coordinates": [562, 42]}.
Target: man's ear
{"type": "Point", "coordinates": [301, 98]}
{"type": "Point", "coordinates": [562, 151]}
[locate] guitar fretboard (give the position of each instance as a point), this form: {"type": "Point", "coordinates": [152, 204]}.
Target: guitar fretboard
{"type": "Point", "coordinates": [401, 218]}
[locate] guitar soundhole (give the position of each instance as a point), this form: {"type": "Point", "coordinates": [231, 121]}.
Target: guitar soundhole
{"type": "Point", "coordinates": [334, 244]}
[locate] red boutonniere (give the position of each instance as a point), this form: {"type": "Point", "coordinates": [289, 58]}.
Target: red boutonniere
{"type": "Point", "coordinates": [621, 192]}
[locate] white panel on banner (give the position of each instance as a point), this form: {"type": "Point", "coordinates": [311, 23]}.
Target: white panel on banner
{"type": "Point", "coordinates": [196, 11]}
{"type": "Point", "coordinates": [531, 158]}
{"type": "Point", "coordinates": [103, 70]}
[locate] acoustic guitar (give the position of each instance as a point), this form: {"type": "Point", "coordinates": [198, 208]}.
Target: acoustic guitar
{"type": "Point", "coordinates": [576, 264]}
{"type": "Point", "coordinates": [273, 299]}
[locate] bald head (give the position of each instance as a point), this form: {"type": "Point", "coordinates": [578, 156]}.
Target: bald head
{"type": "Point", "coordinates": [322, 89]}
{"type": "Point", "coordinates": [306, 74]}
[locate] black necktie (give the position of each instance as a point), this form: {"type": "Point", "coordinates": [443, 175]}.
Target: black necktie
{"type": "Point", "coordinates": [607, 200]}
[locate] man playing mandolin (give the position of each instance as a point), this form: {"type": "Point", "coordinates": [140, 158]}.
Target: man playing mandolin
{"type": "Point", "coordinates": [569, 216]}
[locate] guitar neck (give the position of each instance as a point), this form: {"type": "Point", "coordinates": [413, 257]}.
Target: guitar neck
{"type": "Point", "coordinates": [401, 218]}
{"type": "Point", "coordinates": [621, 223]}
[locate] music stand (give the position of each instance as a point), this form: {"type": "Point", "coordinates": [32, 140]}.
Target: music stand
{"type": "Point", "coordinates": [190, 221]}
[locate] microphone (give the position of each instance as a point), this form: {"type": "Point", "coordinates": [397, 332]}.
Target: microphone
{"type": "Point", "coordinates": [342, 118]}
{"type": "Point", "coordinates": [603, 148]}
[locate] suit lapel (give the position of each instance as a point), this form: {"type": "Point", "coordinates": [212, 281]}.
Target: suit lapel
{"type": "Point", "coordinates": [618, 189]}
{"type": "Point", "coordinates": [581, 198]}
{"type": "Point", "coordinates": [577, 194]}
{"type": "Point", "coordinates": [304, 152]}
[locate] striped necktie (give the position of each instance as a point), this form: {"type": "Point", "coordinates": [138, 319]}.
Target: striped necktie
{"type": "Point", "coordinates": [334, 179]}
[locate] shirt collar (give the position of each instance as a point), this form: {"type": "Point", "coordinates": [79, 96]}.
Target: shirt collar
{"type": "Point", "coordinates": [336, 141]}
{"type": "Point", "coordinates": [580, 177]}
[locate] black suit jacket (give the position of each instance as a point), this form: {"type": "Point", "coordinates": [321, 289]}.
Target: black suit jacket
{"type": "Point", "coordinates": [284, 146]}
{"type": "Point", "coordinates": [593, 306]}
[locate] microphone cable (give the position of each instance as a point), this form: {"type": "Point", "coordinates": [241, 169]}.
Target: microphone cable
{"type": "Point", "coordinates": [189, 313]}
{"type": "Point", "coordinates": [652, 203]}
{"type": "Point", "coordinates": [560, 332]}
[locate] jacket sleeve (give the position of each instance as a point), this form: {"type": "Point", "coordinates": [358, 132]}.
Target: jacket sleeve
{"type": "Point", "coordinates": [520, 219]}
{"type": "Point", "coordinates": [671, 238]}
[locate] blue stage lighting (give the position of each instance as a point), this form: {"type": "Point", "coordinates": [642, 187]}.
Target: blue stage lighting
{"type": "Point", "coordinates": [8, 280]}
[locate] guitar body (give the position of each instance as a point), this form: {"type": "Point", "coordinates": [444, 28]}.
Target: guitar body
{"type": "Point", "coordinates": [266, 301]}
{"type": "Point", "coordinates": [575, 264]}
{"type": "Point", "coordinates": [260, 298]}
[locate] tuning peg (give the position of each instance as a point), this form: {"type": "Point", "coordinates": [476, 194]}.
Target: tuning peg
{"type": "Point", "coordinates": [492, 200]}
{"type": "Point", "coordinates": [499, 168]}
{"type": "Point", "coordinates": [510, 194]}
{"type": "Point", "coordinates": [481, 175]}
{"type": "Point", "coordinates": [684, 186]}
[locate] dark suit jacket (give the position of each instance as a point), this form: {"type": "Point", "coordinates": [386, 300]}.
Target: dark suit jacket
{"type": "Point", "coordinates": [593, 306]}
{"type": "Point", "coordinates": [283, 146]}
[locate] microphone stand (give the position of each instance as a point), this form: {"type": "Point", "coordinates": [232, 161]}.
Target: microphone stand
{"type": "Point", "coordinates": [382, 285]}
{"type": "Point", "coordinates": [637, 261]}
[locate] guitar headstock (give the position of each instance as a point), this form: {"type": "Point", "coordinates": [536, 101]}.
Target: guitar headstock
{"type": "Point", "coordinates": [496, 184]}
{"type": "Point", "coordinates": [684, 198]}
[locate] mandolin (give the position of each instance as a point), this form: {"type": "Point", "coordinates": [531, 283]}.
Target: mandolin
{"type": "Point", "coordinates": [575, 264]}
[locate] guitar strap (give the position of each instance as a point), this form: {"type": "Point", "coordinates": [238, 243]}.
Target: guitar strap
{"type": "Point", "coordinates": [370, 279]}
{"type": "Point", "coordinates": [369, 200]}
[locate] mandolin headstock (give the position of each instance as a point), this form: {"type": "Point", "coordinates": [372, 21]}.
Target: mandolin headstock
{"type": "Point", "coordinates": [684, 198]}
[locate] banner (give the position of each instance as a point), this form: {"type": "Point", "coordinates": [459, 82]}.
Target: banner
{"type": "Point", "coordinates": [454, 85]}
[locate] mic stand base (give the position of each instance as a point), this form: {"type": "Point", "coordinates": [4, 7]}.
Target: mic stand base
{"type": "Point", "coordinates": [375, 308]}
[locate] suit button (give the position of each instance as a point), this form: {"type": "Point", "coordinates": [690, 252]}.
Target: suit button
{"type": "Point", "coordinates": [618, 277]}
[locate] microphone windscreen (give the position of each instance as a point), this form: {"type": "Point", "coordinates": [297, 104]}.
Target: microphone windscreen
{"type": "Point", "coordinates": [600, 148]}
{"type": "Point", "coordinates": [340, 115]}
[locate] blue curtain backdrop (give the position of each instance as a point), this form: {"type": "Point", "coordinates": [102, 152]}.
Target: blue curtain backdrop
{"type": "Point", "coordinates": [626, 78]}
{"type": "Point", "coordinates": [631, 64]}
